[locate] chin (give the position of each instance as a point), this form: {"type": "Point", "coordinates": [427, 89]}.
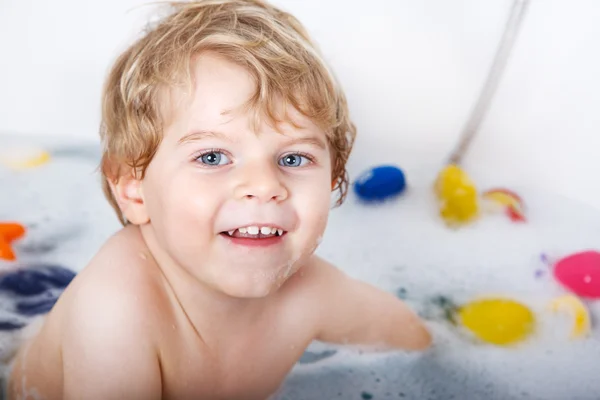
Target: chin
{"type": "Point", "coordinates": [252, 285]}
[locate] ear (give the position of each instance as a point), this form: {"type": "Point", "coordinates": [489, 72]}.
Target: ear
{"type": "Point", "coordinates": [127, 191]}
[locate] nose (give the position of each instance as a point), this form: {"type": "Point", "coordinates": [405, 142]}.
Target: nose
{"type": "Point", "coordinates": [262, 182]}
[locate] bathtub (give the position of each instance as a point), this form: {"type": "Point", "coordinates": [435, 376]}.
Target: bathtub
{"type": "Point", "coordinates": [401, 246]}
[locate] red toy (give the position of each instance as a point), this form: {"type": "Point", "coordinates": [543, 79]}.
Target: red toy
{"type": "Point", "coordinates": [9, 232]}
{"type": "Point", "coordinates": [580, 273]}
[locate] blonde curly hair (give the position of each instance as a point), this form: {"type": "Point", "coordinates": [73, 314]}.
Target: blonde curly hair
{"type": "Point", "coordinates": [270, 43]}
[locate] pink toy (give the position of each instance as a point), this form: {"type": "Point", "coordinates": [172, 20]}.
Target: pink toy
{"type": "Point", "coordinates": [580, 273]}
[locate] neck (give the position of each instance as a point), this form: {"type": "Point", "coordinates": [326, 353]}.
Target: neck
{"type": "Point", "coordinates": [213, 314]}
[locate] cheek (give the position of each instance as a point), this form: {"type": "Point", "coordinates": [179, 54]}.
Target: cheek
{"type": "Point", "coordinates": [313, 204]}
{"type": "Point", "coordinates": [182, 203]}
{"type": "Point", "coordinates": [182, 216]}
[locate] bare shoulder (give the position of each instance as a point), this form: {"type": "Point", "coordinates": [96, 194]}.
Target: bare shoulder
{"type": "Point", "coordinates": [101, 327]}
{"type": "Point", "coordinates": [109, 315]}
{"type": "Point", "coordinates": [124, 261]}
{"type": "Point", "coordinates": [121, 286]}
{"type": "Point", "coordinates": [121, 281]}
{"type": "Point", "coordinates": [107, 318]}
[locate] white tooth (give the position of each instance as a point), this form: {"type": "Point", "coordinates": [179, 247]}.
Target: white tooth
{"type": "Point", "coordinates": [273, 231]}
{"type": "Point", "coordinates": [280, 232]}
{"type": "Point", "coordinates": [253, 230]}
{"type": "Point", "coordinates": [242, 230]}
{"type": "Point", "coordinates": [265, 230]}
{"type": "Point", "coordinates": [231, 232]}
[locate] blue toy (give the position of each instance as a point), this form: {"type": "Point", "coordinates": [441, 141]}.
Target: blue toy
{"type": "Point", "coordinates": [32, 290]}
{"type": "Point", "coordinates": [35, 280]}
{"type": "Point", "coordinates": [380, 183]}
{"type": "Point", "coordinates": [11, 325]}
{"type": "Point", "coordinates": [30, 308]}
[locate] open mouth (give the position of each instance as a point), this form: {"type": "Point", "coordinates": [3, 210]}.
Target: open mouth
{"type": "Point", "coordinates": [255, 232]}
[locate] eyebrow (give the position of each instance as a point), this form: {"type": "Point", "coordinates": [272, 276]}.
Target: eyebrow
{"type": "Point", "coordinates": [199, 135]}
{"type": "Point", "coordinates": [315, 141]}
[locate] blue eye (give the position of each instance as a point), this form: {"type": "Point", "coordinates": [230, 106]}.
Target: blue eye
{"type": "Point", "coordinates": [213, 158]}
{"type": "Point", "coordinates": [293, 160]}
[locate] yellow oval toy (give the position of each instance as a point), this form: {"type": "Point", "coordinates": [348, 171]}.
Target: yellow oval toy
{"type": "Point", "coordinates": [497, 321]}
{"type": "Point", "coordinates": [24, 158]}
{"type": "Point", "coordinates": [581, 324]}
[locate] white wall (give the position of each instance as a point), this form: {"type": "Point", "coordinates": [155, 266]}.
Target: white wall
{"type": "Point", "coordinates": [412, 70]}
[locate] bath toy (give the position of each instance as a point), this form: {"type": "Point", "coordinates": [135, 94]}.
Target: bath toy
{"type": "Point", "coordinates": [9, 232]}
{"type": "Point", "coordinates": [35, 289]}
{"type": "Point", "coordinates": [35, 280]}
{"type": "Point", "coordinates": [23, 158]}
{"type": "Point", "coordinates": [580, 273]}
{"type": "Point", "coordinates": [380, 183]}
{"type": "Point", "coordinates": [11, 325]}
{"type": "Point", "coordinates": [581, 324]}
{"type": "Point", "coordinates": [508, 201]}
{"type": "Point", "coordinates": [457, 196]}
{"type": "Point", "coordinates": [497, 321]}
{"type": "Point", "coordinates": [30, 307]}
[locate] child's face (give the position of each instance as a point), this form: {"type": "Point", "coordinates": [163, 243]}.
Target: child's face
{"type": "Point", "coordinates": [214, 178]}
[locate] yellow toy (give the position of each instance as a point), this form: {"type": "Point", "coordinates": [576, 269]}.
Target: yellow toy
{"type": "Point", "coordinates": [24, 158]}
{"type": "Point", "coordinates": [581, 324]}
{"type": "Point", "coordinates": [497, 321]}
{"type": "Point", "coordinates": [506, 200]}
{"type": "Point", "coordinates": [457, 196]}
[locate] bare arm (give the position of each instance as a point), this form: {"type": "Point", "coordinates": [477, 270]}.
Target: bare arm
{"type": "Point", "coordinates": [354, 312]}
{"type": "Point", "coordinates": [107, 351]}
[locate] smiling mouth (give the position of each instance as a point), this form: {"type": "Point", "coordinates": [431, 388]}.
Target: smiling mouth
{"type": "Point", "coordinates": [255, 232]}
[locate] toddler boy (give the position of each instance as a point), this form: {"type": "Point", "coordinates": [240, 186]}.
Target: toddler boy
{"type": "Point", "coordinates": [224, 134]}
